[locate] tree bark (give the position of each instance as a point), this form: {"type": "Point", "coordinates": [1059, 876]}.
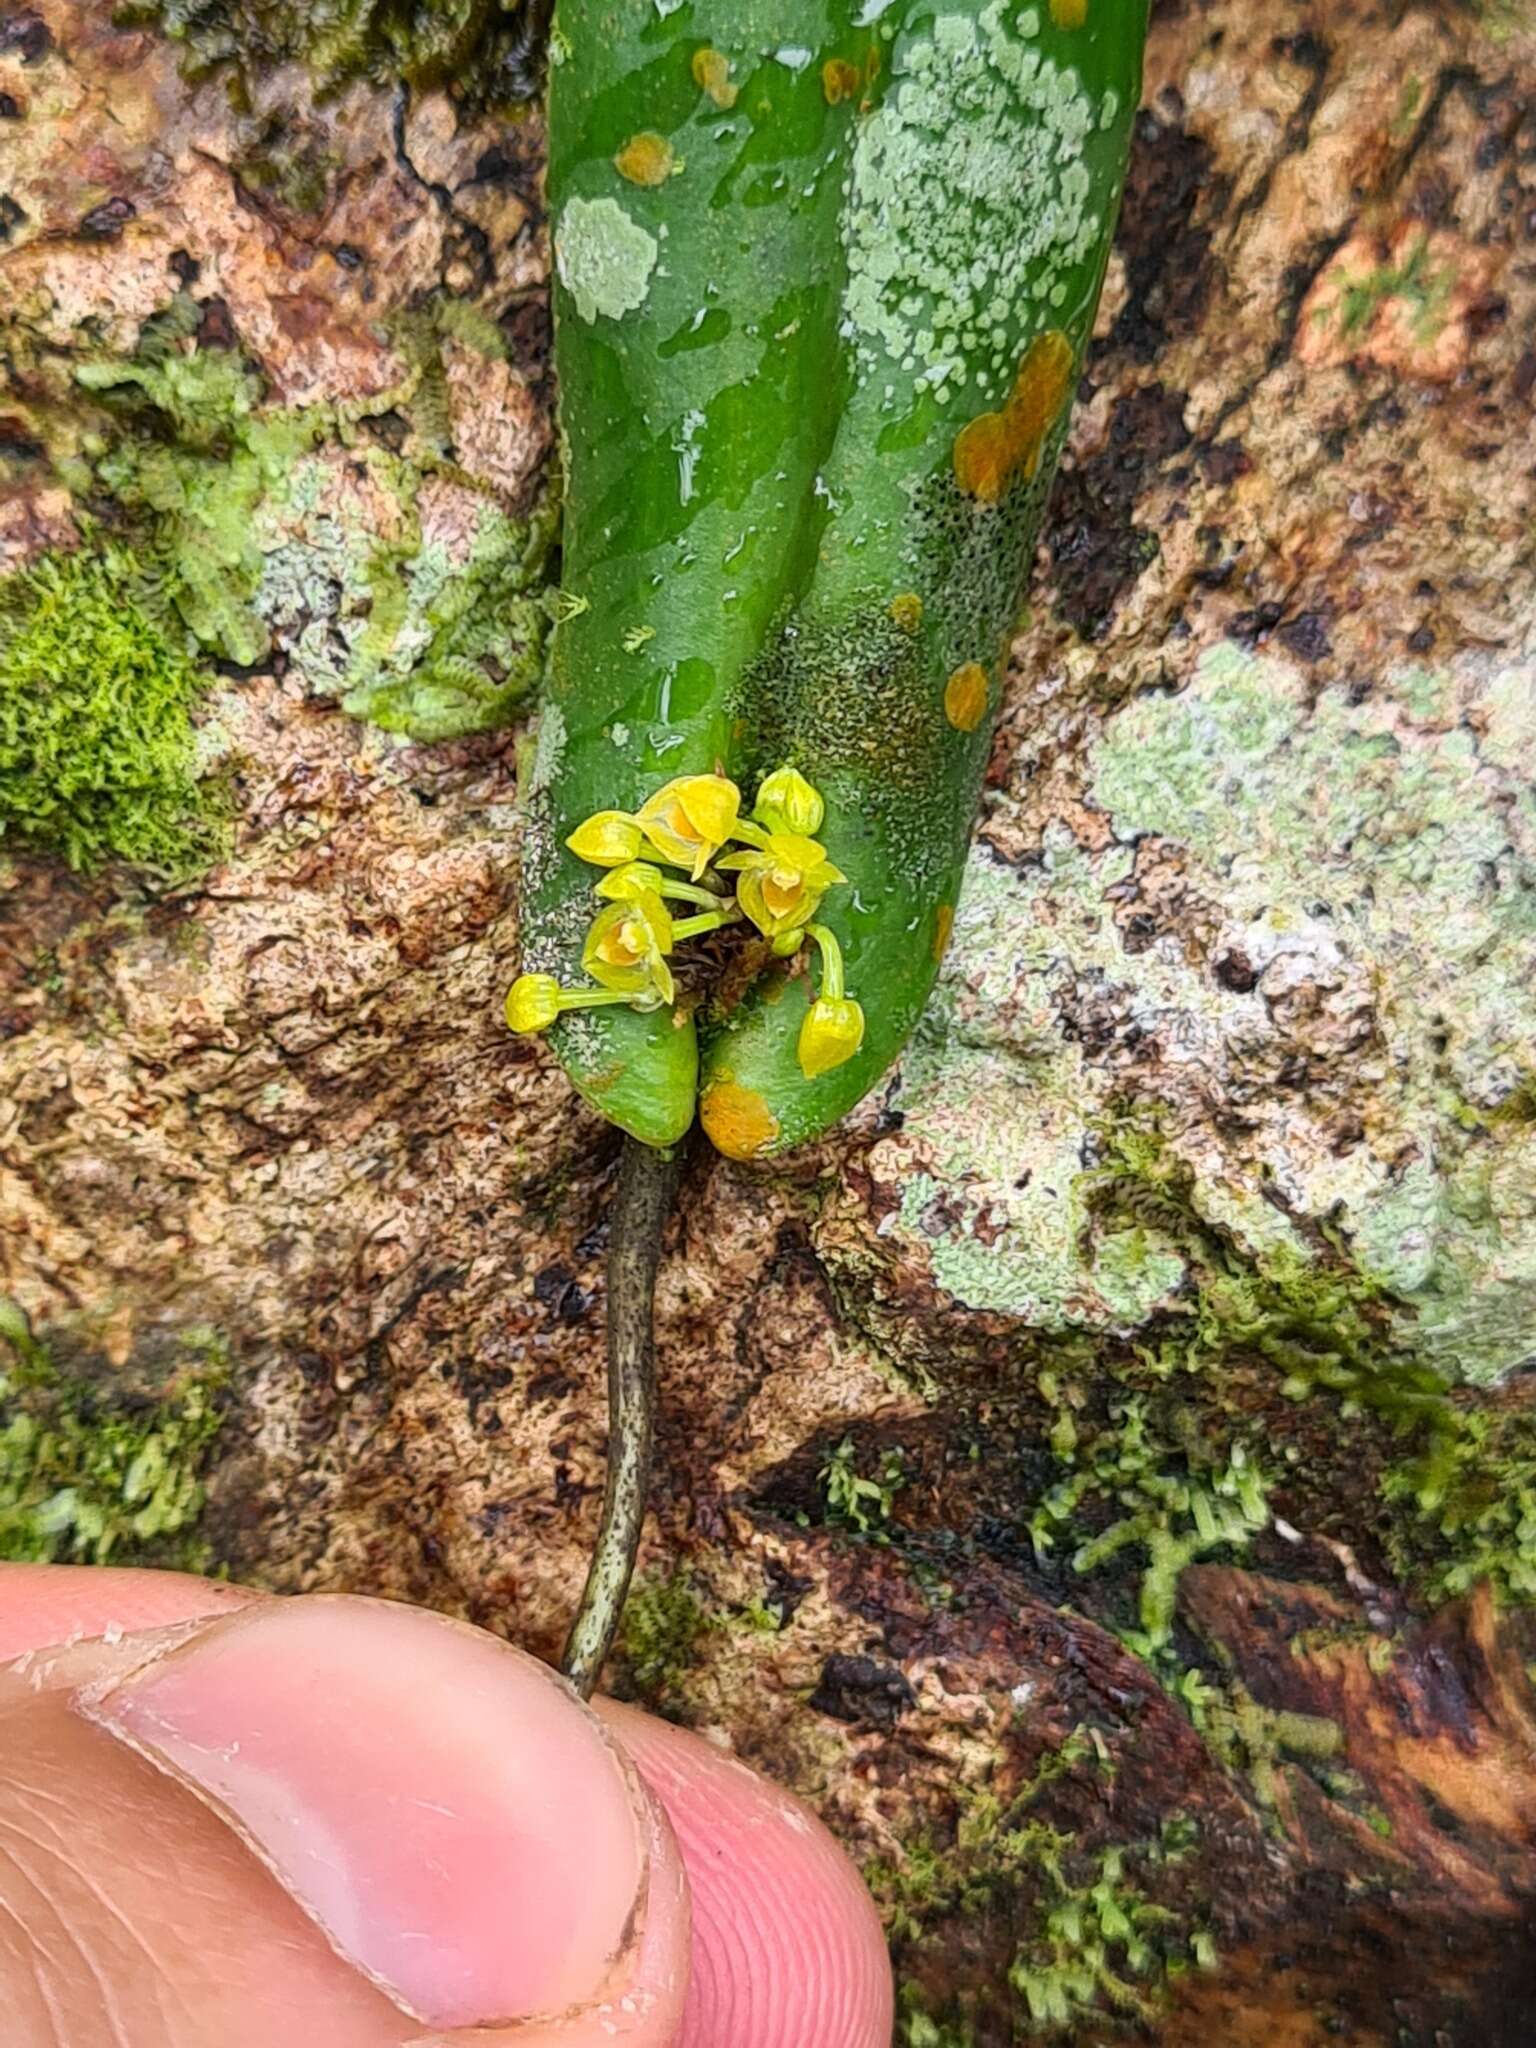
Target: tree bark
{"type": "Point", "coordinates": [1101, 1476]}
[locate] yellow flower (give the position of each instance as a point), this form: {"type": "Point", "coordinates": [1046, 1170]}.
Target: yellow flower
{"type": "Point", "coordinates": [782, 881]}
{"type": "Point", "coordinates": [832, 1032]}
{"type": "Point", "coordinates": [627, 946]}
{"type": "Point", "coordinates": [786, 802]}
{"type": "Point", "coordinates": [833, 1029]}
{"type": "Point", "coordinates": [533, 1002]}
{"type": "Point", "coordinates": [607, 839]}
{"type": "Point", "coordinates": [687, 821]}
{"type": "Point", "coordinates": [628, 883]}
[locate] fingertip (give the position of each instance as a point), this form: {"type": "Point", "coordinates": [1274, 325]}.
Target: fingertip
{"type": "Point", "coordinates": [43, 1604]}
{"type": "Point", "coordinates": [456, 1824]}
{"type": "Point", "coordinates": [787, 1946]}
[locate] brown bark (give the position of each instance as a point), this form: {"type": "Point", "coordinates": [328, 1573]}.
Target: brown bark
{"type": "Point", "coordinates": [281, 1101]}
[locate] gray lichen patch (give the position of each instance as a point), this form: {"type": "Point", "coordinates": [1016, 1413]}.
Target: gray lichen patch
{"type": "Point", "coordinates": [605, 259]}
{"type": "Point", "coordinates": [1366, 876]}
{"type": "Point", "coordinates": [967, 198]}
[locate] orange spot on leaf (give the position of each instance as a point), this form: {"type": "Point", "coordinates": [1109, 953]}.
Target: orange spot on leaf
{"type": "Point", "coordinates": [646, 159]}
{"type": "Point", "coordinates": [1069, 13]}
{"type": "Point", "coordinates": [840, 80]}
{"type": "Point", "coordinates": [907, 610]}
{"type": "Point", "coordinates": [740, 1124]}
{"type": "Point", "coordinates": [712, 74]}
{"type": "Point", "coordinates": [996, 448]}
{"type": "Point", "coordinates": [965, 696]}
{"type": "Point", "coordinates": [943, 925]}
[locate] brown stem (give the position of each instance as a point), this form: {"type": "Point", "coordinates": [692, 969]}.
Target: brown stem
{"type": "Point", "coordinates": [647, 1183]}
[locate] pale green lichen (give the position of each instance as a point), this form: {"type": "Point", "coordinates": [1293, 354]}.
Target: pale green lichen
{"type": "Point", "coordinates": [548, 751]}
{"type": "Point", "coordinates": [393, 580]}
{"type": "Point", "coordinates": [605, 259]}
{"type": "Point", "coordinates": [453, 645]}
{"type": "Point", "coordinates": [968, 199]}
{"type": "Point", "coordinates": [1402, 863]}
{"type": "Point", "coordinates": [1373, 864]}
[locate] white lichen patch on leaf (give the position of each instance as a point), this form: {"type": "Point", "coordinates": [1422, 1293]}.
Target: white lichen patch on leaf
{"type": "Point", "coordinates": [605, 259]}
{"type": "Point", "coordinates": [968, 200]}
{"type": "Point", "coordinates": [548, 750]}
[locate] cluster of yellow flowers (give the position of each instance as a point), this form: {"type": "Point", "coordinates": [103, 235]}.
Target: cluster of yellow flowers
{"type": "Point", "coordinates": [782, 873]}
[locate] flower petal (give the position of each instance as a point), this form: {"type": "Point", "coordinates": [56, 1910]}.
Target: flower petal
{"type": "Point", "coordinates": [533, 1002]}
{"type": "Point", "coordinates": [832, 1033]}
{"type": "Point", "coordinates": [607, 839]}
{"type": "Point", "coordinates": [623, 885]}
{"type": "Point", "coordinates": [710, 803]}
{"type": "Point", "coordinates": [786, 801]}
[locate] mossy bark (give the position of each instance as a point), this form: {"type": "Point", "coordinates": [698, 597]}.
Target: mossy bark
{"type": "Point", "coordinates": [1102, 1474]}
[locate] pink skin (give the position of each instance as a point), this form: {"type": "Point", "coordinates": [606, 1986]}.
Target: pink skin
{"type": "Point", "coordinates": [246, 1820]}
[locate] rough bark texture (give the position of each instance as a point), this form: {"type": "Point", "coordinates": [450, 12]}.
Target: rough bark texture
{"type": "Point", "coordinates": [1102, 1476]}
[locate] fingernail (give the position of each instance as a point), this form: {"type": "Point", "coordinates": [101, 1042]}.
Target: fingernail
{"type": "Point", "coordinates": [458, 1827]}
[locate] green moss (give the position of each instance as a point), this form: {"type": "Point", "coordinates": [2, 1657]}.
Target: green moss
{"type": "Point", "coordinates": [1460, 1495]}
{"type": "Point", "coordinates": [1251, 1740]}
{"type": "Point", "coordinates": [479, 46]}
{"type": "Point", "coordinates": [1091, 1938]}
{"type": "Point", "coordinates": [88, 1476]}
{"type": "Point", "coordinates": [97, 751]}
{"type": "Point", "coordinates": [663, 1620]}
{"type": "Point", "coordinates": [1100, 1943]}
{"type": "Point", "coordinates": [995, 1845]}
{"type": "Point", "coordinates": [1467, 1506]}
{"type": "Point", "coordinates": [917, 2029]}
{"type": "Point", "coordinates": [856, 1500]}
{"type": "Point", "coordinates": [1172, 1506]}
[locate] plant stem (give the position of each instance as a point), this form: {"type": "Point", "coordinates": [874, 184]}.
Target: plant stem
{"type": "Point", "coordinates": [647, 1182]}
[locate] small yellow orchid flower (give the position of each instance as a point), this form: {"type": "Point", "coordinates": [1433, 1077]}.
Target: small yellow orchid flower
{"type": "Point", "coordinates": [628, 883]}
{"type": "Point", "coordinates": [607, 839]}
{"type": "Point", "coordinates": [833, 1029]}
{"type": "Point", "coordinates": [832, 1032]}
{"type": "Point", "coordinates": [782, 881]}
{"type": "Point", "coordinates": [626, 949]}
{"type": "Point", "coordinates": [534, 1001]}
{"type": "Point", "coordinates": [688, 820]}
{"type": "Point", "coordinates": [786, 802]}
